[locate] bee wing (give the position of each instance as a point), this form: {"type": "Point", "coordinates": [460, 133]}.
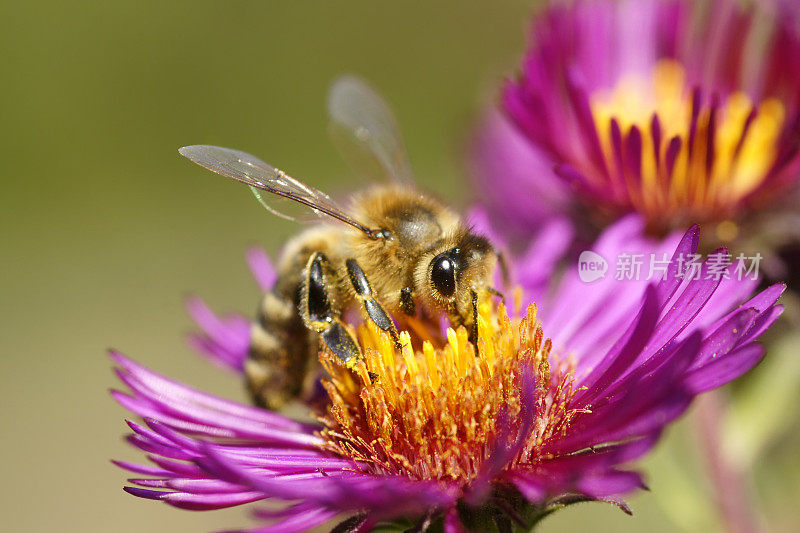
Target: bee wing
{"type": "Point", "coordinates": [366, 132]}
{"type": "Point", "coordinates": [262, 176]}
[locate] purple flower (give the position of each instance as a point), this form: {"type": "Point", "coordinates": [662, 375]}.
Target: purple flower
{"type": "Point", "coordinates": [551, 409]}
{"type": "Point", "coordinates": [685, 112]}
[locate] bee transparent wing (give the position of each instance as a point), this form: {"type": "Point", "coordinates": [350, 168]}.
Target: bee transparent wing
{"type": "Point", "coordinates": [366, 132]}
{"type": "Point", "coordinates": [261, 176]}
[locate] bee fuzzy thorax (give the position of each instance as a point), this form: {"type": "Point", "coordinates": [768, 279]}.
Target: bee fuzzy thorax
{"type": "Point", "coordinates": [413, 222]}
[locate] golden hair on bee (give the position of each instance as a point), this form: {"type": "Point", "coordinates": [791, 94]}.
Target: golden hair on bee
{"type": "Point", "coordinates": [396, 251]}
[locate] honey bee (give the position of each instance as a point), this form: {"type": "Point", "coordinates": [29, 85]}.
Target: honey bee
{"type": "Point", "coordinates": [394, 251]}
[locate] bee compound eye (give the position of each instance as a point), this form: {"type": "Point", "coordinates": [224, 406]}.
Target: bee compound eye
{"type": "Point", "coordinates": [443, 273]}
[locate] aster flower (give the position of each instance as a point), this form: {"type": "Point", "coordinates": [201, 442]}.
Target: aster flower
{"type": "Point", "coordinates": [684, 112]}
{"type": "Point", "coordinates": [548, 408]}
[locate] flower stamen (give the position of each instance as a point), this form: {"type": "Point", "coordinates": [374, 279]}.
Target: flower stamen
{"type": "Point", "coordinates": [432, 413]}
{"type": "Point", "coordinates": [678, 159]}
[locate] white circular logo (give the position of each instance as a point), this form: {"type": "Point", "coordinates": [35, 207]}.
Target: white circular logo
{"type": "Point", "coordinates": [591, 266]}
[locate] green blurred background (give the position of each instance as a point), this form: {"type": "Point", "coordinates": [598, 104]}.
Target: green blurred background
{"type": "Point", "coordinates": [105, 228]}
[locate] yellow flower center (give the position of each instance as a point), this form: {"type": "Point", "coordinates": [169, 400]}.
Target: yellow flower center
{"type": "Point", "coordinates": [432, 413]}
{"type": "Point", "coordinates": [707, 177]}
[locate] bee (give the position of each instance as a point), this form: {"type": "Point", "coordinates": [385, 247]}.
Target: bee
{"type": "Point", "coordinates": [393, 251]}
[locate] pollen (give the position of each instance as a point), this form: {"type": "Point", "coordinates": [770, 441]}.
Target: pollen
{"type": "Point", "coordinates": [678, 156]}
{"type": "Point", "coordinates": [434, 412]}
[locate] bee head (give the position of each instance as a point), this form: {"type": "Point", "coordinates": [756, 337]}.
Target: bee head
{"type": "Point", "coordinates": [457, 266]}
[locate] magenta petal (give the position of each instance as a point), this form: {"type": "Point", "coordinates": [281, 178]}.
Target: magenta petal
{"type": "Point", "coordinates": [724, 370]}
{"type": "Point", "coordinates": [385, 495]}
{"type": "Point", "coordinates": [144, 493]}
{"type": "Point", "coordinates": [202, 486]}
{"type": "Point", "coordinates": [531, 488]}
{"type": "Point", "coordinates": [766, 298]}
{"type": "Point", "coordinates": [687, 246]}
{"type": "Point", "coordinates": [177, 468]}
{"type": "Point", "coordinates": [724, 338]}
{"type": "Point", "coordinates": [625, 351]}
{"type": "Point", "coordinates": [301, 520]}
{"type": "Point", "coordinates": [183, 402]}
{"type": "Point", "coordinates": [225, 341]}
{"type": "Point", "coordinates": [262, 268]}
{"type": "Point", "coordinates": [762, 323]}
{"type": "Point", "coordinates": [208, 502]}
{"type": "Point", "coordinates": [144, 470]}
{"type": "Point", "coordinates": [534, 270]}
{"type": "Point", "coordinates": [610, 483]}
{"type": "Point", "coordinates": [195, 502]}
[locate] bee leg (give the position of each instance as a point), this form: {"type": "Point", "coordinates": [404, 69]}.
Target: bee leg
{"type": "Point", "coordinates": [495, 292]}
{"type": "Point", "coordinates": [505, 272]}
{"type": "Point", "coordinates": [407, 304]}
{"type": "Point", "coordinates": [374, 310]}
{"type": "Point", "coordinates": [317, 310]}
{"type": "Point", "coordinates": [341, 343]}
{"type": "Point", "coordinates": [473, 334]}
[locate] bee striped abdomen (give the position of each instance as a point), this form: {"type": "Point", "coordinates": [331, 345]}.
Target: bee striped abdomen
{"type": "Point", "coordinates": [279, 349]}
